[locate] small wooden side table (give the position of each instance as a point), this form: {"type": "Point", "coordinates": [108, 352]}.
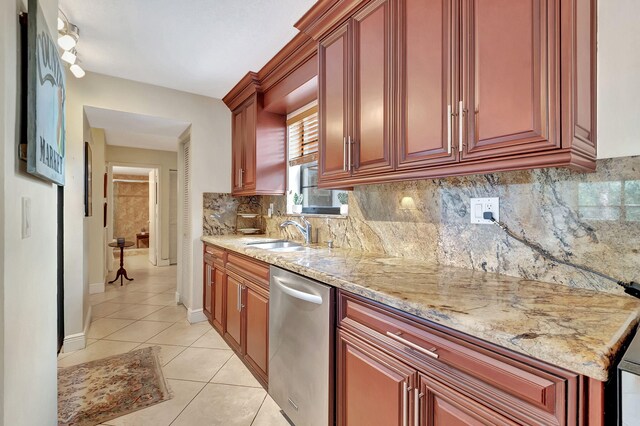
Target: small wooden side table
{"type": "Point", "coordinates": [142, 237]}
{"type": "Point", "coordinates": [121, 272]}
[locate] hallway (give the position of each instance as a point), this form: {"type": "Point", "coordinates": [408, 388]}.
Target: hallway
{"type": "Point", "coordinates": [211, 385]}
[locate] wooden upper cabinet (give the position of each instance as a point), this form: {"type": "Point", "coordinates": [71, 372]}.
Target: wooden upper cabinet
{"type": "Point", "coordinates": [510, 85]}
{"type": "Point", "coordinates": [370, 135]}
{"type": "Point", "coordinates": [333, 86]}
{"type": "Point", "coordinates": [427, 83]}
{"type": "Point", "coordinates": [258, 149]}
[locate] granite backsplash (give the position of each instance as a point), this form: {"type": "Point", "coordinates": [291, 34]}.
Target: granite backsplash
{"type": "Point", "coordinates": [591, 219]}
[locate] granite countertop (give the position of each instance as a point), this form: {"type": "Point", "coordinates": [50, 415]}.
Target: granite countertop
{"type": "Point", "coordinates": [579, 330]}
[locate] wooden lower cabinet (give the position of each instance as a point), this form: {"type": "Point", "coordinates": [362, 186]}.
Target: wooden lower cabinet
{"type": "Point", "coordinates": [257, 328]}
{"type": "Point", "coordinates": [233, 305]}
{"type": "Point", "coordinates": [237, 304]}
{"type": "Point", "coordinates": [372, 387]}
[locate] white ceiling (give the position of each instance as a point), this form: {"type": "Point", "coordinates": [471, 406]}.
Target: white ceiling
{"type": "Point", "coordinates": [134, 171]}
{"type": "Point", "coordinates": [199, 46]}
{"type": "Point", "coordinates": [136, 130]}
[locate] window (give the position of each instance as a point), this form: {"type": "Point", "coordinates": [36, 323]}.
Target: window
{"type": "Point", "coordinates": [302, 134]}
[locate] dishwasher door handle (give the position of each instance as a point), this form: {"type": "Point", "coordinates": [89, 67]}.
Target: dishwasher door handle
{"type": "Point", "coordinates": [307, 297]}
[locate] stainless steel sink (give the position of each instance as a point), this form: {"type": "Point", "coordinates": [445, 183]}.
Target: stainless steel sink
{"type": "Point", "coordinates": [278, 246]}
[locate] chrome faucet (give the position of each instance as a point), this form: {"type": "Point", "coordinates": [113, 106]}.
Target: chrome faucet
{"type": "Point", "coordinates": [304, 230]}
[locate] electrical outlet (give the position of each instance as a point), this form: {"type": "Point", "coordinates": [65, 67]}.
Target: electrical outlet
{"type": "Point", "coordinates": [481, 205]}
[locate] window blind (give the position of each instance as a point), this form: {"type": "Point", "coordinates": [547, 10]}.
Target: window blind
{"type": "Point", "coordinates": [302, 133]}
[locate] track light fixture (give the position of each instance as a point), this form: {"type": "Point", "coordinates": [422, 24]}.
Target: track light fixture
{"type": "Point", "coordinates": [68, 36]}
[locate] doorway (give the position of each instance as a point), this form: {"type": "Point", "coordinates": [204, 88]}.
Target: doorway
{"type": "Point", "coordinates": [135, 213]}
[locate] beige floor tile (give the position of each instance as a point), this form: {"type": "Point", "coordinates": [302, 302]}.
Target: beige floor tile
{"type": "Point", "coordinates": [212, 340]}
{"type": "Point", "coordinates": [132, 297]}
{"type": "Point", "coordinates": [180, 334]}
{"type": "Point", "coordinates": [104, 326]}
{"type": "Point", "coordinates": [168, 313]}
{"type": "Point", "coordinates": [139, 331]}
{"type": "Point", "coordinates": [91, 341]}
{"type": "Point", "coordinates": [222, 405]}
{"type": "Point", "coordinates": [161, 299]}
{"type": "Point", "coordinates": [100, 349]}
{"type": "Point", "coordinates": [151, 288]}
{"type": "Point", "coordinates": [234, 372]}
{"type": "Point", "coordinates": [105, 309]}
{"type": "Point", "coordinates": [134, 312]}
{"type": "Point", "coordinates": [198, 364]}
{"type": "Point", "coordinates": [97, 298]}
{"type": "Point", "coordinates": [164, 413]}
{"type": "Point", "coordinates": [167, 352]}
{"type": "Point", "coordinates": [270, 415]}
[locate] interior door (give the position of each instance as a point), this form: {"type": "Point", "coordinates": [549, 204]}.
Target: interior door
{"type": "Point", "coordinates": [333, 109]}
{"type": "Point", "coordinates": [173, 217]}
{"type": "Point", "coordinates": [428, 82]}
{"type": "Point", "coordinates": [510, 94]}
{"type": "Point", "coordinates": [372, 89]}
{"type": "Point", "coordinates": [373, 388]}
{"type": "Point", "coordinates": [153, 217]}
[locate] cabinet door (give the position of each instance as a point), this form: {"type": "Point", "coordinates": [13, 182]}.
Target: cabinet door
{"type": "Point", "coordinates": [237, 147]}
{"type": "Point", "coordinates": [234, 311]}
{"type": "Point", "coordinates": [333, 98]}
{"type": "Point", "coordinates": [428, 82]}
{"type": "Point", "coordinates": [217, 292]}
{"type": "Point", "coordinates": [510, 77]}
{"type": "Point", "coordinates": [249, 148]}
{"type": "Point", "coordinates": [372, 387]}
{"type": "Point", "coordinates": [440, 405]}
{"type": "Point", "coordinates": [207, 294]}
{"type": "Point", "coordinates": [372, 89]}
{"type": "Point", "coordinates": [257, 320]}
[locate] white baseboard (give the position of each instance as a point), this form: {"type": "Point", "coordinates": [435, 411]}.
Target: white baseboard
{"type": "Point", "coordinates": [164, 262]}
{"type": "Point", "coordinates": [194, 316]}
{"type": "Point", "coordinates": [177, 298]}
{"type": "Point", "coordinates": [77, 341]}
{"type": "Point", "coordinates": [96, 288]}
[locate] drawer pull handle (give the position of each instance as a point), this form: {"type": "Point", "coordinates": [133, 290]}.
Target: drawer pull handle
{"type": "Point", "coordinates": [429, 352]}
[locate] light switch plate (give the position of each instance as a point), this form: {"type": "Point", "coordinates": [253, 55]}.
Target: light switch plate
{"type": "Point", "coordinates": [481, 205]}
{"type": "Point", "coordinates": [26, 217]}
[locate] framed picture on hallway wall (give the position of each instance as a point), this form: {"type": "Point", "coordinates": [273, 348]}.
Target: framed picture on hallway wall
{"type": "Point", "coordinates": [88, 181]}
{"type": "Point", "coordinates": [46, 97]}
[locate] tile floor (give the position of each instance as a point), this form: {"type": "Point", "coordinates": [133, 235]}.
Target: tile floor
{"type": "Point", "coordinates": [211, 385]}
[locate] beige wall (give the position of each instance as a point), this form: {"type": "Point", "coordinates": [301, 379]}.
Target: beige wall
{"type": "Point", "coordinates": [618, 82]}
{"type": "Point", "coordinates": [28, 391]}
{"type": "Point", "coordinates": [164, 161]}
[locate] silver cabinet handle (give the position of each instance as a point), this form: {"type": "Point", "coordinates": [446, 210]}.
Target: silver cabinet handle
{"type": "Point", "coordinates": [209, 275]}
{"type": "Point", "coordinates": [430, 352]}
{"type": "Point", "coordinates": [242, 288]}
{"type": "Point", "coordinates": [349, 152]}
{"type": "Point", "coordinates": [449, 118]}
{"type": "Point", "coordinates": [416, 407]}
{"type": "Point", "coordinates": [344, 154]}
{"type": "Point", "coordinates": [460, 126]}
{"type": "Point", "coordinates": [405, 405]}
{"type": "Point", "coordinates": [241, 173]}
{"type": "Point", "coordinates": [297, 294]}
{"type": "Point", "coordinates": [239, 295]}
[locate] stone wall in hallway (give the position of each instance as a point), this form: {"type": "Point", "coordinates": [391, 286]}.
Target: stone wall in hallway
{"type": "Point", "coordinates": [130, 207]}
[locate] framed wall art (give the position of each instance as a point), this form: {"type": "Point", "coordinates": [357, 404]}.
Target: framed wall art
{"type": "Point", "coordinates": [46, 97]}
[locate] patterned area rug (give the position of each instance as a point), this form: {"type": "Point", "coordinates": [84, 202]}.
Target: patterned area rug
{"type": "Point", "coordinates": [101, 390]}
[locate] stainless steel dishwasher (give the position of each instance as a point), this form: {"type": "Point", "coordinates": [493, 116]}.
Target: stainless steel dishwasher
{"type": "Point", "coordinates": [301, 341]}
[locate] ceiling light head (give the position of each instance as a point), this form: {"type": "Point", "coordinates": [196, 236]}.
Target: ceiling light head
{"type": "Point", "coordinates": [77, 70]}
{"type": "Point", "coordinates": [61, 24]}
{"type": "Point", "coordinates": [70, 56]}
{"type": "Point", "coordinates": [69, 38]}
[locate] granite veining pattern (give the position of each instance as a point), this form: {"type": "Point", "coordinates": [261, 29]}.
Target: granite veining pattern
{"type": "Point", "coordinates": [577, 329]}
{"type": "Point", "coordinates": [219, 215]}
{"type": "Point", "coordinates": [591, 219]}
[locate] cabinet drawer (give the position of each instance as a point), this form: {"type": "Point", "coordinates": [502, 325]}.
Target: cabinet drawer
{"type": "Point", "coordinates": [471, 364]}
{"type": "Point", "coordinates": [251, 269]}
{"type": "Point", "coordinates": [214, 251]}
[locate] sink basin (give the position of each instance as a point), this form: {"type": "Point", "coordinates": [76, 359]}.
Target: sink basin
{"type": "Point", "coordinates": [278, 245]}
